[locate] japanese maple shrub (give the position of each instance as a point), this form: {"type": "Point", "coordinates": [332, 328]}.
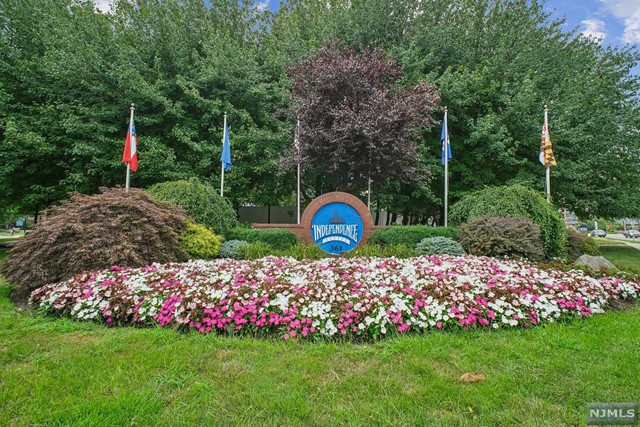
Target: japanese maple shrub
{"type": "Point", "coordinates": [94, 232]}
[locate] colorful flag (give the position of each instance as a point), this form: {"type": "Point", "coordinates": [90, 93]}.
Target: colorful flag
{"type": "Point", "coordinates": [130, 154]}
{"type": "Point", "coordinates": [225, 157]}
{"type": "Point", "coordinates": [546, 152]}
{"type": "Point", "coordinates": [444, 138]}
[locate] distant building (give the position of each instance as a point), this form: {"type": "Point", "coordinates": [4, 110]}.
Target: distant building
{"type": "Point", "coordinates": [570, 219]}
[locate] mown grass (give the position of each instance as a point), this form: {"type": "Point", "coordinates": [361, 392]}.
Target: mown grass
{"type": "Point", "coordinates": [621, 255]}
{"type": "Point", "coordinates": [61, 372]}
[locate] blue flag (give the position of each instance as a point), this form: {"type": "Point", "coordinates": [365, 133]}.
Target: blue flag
{"type": "Point", "coordinates": [444, 138]}
{"type": "Point", "coordinates": [225, 157]}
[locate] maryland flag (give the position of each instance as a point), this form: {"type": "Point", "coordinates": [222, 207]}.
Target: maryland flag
{"type": "Point", "coordinates": [546, 152]}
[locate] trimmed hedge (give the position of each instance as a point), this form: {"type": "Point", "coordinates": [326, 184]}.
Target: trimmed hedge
{"type": "Point", "coordinates": [516, 201]}
{"type": "Point", "coordinates": [439, 245]}
{"type": "Point", "coordinates": [200, 200]}
{"type": "Point", "coordinates": [375, 250]}
{"type": "Point", "coordinates": [409, 235]}
{"type": "Point", "coordinates": [200, 242]}
{"type": "Point", "coordinates": [258, 250]}
{"type": "Point", "coordinates": [500, 236]}
{"type": "Point", "coordinates": [276, 238]}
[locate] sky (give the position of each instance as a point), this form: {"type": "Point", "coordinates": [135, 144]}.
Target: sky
{"type": "Point", "coordinates": [611, 22]}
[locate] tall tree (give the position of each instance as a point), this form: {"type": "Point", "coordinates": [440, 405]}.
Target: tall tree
{"type": "Point", "coordinates": [357, 121]}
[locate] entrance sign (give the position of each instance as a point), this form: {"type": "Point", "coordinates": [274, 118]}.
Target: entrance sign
{"type": "Point", "coordinates": [337, 222]}
{"type": "Point", "coordinates": [336, 228]}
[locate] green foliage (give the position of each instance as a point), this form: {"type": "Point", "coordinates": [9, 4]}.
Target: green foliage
{"type": "Point", "coordinates": [578, 244]}
{"type": "Point", "coordinates": [200, 200]}
{"type": "Point", "coordinates": [232, 249]}
{"type": "Point", "coordinates": [94, 232]}
{"type": "Point", "coordinates": [273, 237]}
{"type": "Point", "coordinates": [299, 251]}
{"type": "Point", "coordinates": [256, 250]}
{"type": "Point", "coordinates": [439, 245]}
{"type": "Point", "coordinates": [409, 235]}
{"type": "Point", "coordinates": [516, 201]}
{"type": "Point", "coordinates": [398, 250]}
{"type": "Point", "coordinates": [591, 246]}
{"type": "Point", "coordinates": [502, 236]}
{"type": "Point", "coordinates": [69, 74]}
{"type": "Point", "coordinates": [303, 251]}
{"type": "Point", "coordinates": [200, 242]}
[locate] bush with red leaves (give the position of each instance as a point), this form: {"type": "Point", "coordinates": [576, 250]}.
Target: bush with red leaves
{"type": "Point", "coordinates": [95, 232]}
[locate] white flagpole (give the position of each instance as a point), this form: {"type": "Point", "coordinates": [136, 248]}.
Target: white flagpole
{"type": "Point", "coordinates": [446, 169]}
{"type": "Point", "coordinates": [224, 131]}
{"type": "Point", "coordinates": [369, 195]}
{"type": "Point", "coordinates": [128, 180]}
{"type": "Point", "coordinates": [547, 166]}
{"type": "Point", "coordinates": [297, 142]}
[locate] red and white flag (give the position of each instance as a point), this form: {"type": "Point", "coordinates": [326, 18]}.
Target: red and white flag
{"type": "Point", "coordinates": [130, 154]}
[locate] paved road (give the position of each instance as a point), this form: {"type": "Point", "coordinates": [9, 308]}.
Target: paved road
{"type": "Point", "coordinates": [634, 243]}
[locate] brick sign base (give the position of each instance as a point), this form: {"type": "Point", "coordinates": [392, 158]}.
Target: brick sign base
{"type": "Point", "coordinates": [303, 230]}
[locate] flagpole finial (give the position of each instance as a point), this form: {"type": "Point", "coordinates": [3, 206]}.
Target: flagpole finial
{"type": "Point", "coordinates": [133, 106]}
{"type": "Point", "coordinates": [546, 107]}
{"type": "Point", "coordinates": [446, 108]}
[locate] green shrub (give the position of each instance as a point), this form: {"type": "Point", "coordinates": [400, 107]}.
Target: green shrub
{"type": "Point", "coordinates": [516, 201]}
{"type": "Point", "coordinates": [200, 242]}
{"type": "Point", "coordinates": [232, 249]}
{"type": "Point", "coordinates": [303, 251]}
{"type": "Point", "coordinates": [502, 236]}
{"type": "Point", "coordinates": [590, 246]}
{"type": "Point", "coordinates": [439, 245]}
{"type": "Point", "coordinates": [578, 244]}
{"type": "Point", "coordinates": [274, 237]}
{"type": "Point", "coordinates": [376, 250]}
{"type": "Point", "coordinates": [95, 232]}
{"type": "Point", "coordinates": [256, 250]}
{"type": "Point", "coordinates": [200, 200]}
{"type": "Point", "coordinates": [409, 235]}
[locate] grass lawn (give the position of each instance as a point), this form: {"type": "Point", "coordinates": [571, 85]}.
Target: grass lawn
{"type": "Point", "coordinates": [60, 372]}
{"type": "Point", "coordinates": [621, 255]}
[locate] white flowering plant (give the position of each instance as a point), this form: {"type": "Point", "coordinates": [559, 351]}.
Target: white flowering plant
{"type": "Point", "coordinates": [352, 297]}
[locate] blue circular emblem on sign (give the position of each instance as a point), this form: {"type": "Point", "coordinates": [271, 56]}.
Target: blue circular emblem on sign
{"type": "Point", "coordinates": [336, 228]}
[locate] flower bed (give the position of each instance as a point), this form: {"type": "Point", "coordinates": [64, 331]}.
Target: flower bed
{"type": "Point", "coordinates": [363, 297]}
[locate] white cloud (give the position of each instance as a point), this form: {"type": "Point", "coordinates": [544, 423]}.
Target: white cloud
{"type": "Point", "coordinates": [594, 28]}
{"type": "Point", "coordinates": [629, 12]}
{"type": "Point", "coordinates": [262, 6]}
{"type": "Point", "coordinates": [104, 6]}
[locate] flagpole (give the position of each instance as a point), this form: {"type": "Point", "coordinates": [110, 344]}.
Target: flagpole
{"type": "Point", "coordinates": [297, 142]}
{"type": "Point", "coordinates": [221, 162]}
{"type": "Point", "coordinates": [446, 170]}
{"type": "Point", "coordinates": [548, 166]}
{"type": "Point", "coordinates": [128, 180]}
{"type": "Point", "coordinates": [369, 195]}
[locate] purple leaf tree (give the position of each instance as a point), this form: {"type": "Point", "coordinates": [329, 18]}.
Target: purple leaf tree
{"type": "Point", "coordinates": [357, 121]}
